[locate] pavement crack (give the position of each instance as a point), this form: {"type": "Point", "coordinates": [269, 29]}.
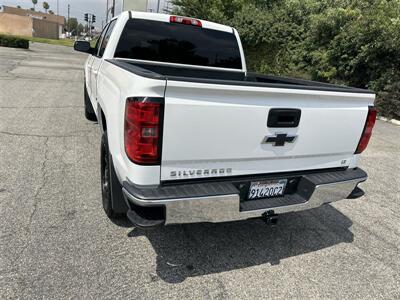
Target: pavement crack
{"type": "Point", "coordinates": [17, 76]}
{"type": "Point", "coordinates": [64, 68]}
{"type": "Point", "coordinates": [43, 184]}
{"type": "Point", "coordinates": [72, 134]}
{"type": "Point", "coordinates": [35, 199]}
{"type": "Point", "coordinates": [42, 107]}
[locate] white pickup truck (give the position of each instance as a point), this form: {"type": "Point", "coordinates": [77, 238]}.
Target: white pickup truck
{"type": "Point", "coordinates": [188, 135]}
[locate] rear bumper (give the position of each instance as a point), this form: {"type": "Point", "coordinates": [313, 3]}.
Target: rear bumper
{"type": "Point", "coordinates": [221, 202]}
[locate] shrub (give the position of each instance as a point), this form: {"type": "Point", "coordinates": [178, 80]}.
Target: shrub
{"type": "Point", "coordinates": [14, 42]}
{"type": "Point", "coordinates": [388, 101]}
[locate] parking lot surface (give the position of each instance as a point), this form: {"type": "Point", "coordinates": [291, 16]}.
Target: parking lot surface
{"type": "Point", "coordinates": [56, 242]}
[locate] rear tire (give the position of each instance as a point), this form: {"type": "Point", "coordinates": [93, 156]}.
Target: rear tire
{"type": "Point", "coordinates": [113, 202]}
{"type": "Point", "coordinates": [89, 112]}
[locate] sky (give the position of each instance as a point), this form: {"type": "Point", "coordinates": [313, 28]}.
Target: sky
{"type": "Point", "coordinates": [79, 7]}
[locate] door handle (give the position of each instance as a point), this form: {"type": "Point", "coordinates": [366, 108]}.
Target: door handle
{"type": "Point", "coordinates": [284, 117]}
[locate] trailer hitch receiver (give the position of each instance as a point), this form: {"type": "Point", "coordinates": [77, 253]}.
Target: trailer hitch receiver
{"type": "Point", "coordinates": [270, 218]}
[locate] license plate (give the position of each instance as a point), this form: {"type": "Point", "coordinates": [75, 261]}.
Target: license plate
{"type": "Point", "coordinates": [267, 189]}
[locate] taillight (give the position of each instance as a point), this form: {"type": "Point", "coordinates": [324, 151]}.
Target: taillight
{"type": "Point", "coordinates": [143, 126]}
{"type": "Point", "coordinates": [186, 21]}
{"type": "Point", "coordinates": [367, 132]}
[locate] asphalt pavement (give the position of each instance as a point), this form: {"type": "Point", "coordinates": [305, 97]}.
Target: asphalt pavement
{"type": "Point", "coordinates": [56, 242]}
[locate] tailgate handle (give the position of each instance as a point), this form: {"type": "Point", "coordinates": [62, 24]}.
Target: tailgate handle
{"type": "Point", "coordinates": [284, 117]}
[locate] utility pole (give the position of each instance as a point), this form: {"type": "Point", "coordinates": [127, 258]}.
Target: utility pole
{"type": "Point", "coordinates": [158, 6]}
{"type": "Point", "coordinates": [166, 7]}
{"type": "Point", "coordinates": [113, 9]}
{"type": "Point", "coordinates": [58, 13]}
{"type": "Point", "coordinates": [107, 13]}
{"type": "Point", "coordinates": [67, 18]}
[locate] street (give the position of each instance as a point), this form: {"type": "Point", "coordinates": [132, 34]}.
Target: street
{"type": "Point", "coordinates": [56, 242]}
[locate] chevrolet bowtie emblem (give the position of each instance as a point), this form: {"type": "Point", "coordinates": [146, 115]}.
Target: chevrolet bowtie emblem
{"type": "Point", "coordinates": [279, 139]}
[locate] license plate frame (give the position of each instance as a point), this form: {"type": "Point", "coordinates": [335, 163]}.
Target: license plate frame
{"type": "Point", "coordinates": [267, 189]}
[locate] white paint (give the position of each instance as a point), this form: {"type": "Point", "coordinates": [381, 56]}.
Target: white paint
{"type": "Point", "coordinates": [209, 126]}
{"type": "Point", "coordinates": [214, 126]}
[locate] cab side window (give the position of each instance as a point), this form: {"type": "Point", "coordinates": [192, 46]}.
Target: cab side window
{"type": "Point", "coordinates": [106, 38]}
{"type": "Point", "coordinates": [96, 48]}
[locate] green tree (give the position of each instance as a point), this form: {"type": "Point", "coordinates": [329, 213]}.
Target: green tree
{"type": "Point", "coordinates": [34, 4]}
{"type": "Point", "coordinates": [80, 29]}
{"type": "Point", "coordinates": [213, 10]}
{"type": "Point", "coordinates": [51, 12]}
{"type": "Point", "coordinates": [72, 26]}
{"type": "Point", "coordinates": [46, 6]}
{"type": "Point", "coordinates": [18, 6]}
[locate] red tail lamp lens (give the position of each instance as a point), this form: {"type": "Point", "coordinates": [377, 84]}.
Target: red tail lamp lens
{"type": "Point", "coordinates": [143, 130]}
{"type": "Point", "coordinates": [366, 135]}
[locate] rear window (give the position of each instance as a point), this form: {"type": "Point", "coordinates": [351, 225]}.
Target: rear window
{"type": "Point", "coordinates": [178, 43]}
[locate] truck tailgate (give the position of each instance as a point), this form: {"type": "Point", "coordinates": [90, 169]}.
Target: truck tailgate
{"type": "Point", "coordinates": [220, 130]}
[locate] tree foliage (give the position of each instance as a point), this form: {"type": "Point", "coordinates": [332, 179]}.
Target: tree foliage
{"type": "Point", "coordinates": [34, 2]}
{"type": "Point", "coordinates": [80, 29]}
{"type": "Point", "coordinates": [46, 6]}
{"type": "Point", "coordinates": [72, 26]}
{"type": "Point", "coordinates": [354, 42]}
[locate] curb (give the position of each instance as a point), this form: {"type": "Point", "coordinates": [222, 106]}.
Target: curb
{"type": "Point", "coordinates": [393, 121]}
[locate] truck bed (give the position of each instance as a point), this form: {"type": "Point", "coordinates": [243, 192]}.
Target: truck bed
{"type": "Point", "coordinates": [216, 122]}
{"type": "Point", "coordinates": [193, 74]}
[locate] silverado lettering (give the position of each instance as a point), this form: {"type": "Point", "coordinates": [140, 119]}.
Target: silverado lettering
{"type": "Point", "coordinates": [227, 171]}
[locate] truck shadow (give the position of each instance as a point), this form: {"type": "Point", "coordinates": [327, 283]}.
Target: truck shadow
{"type": "Point", "coordinates": [197, 249]}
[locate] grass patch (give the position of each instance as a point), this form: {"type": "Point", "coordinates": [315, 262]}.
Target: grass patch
{"type": "Point", "coordinates": [13, 42]}
{"type": "Point", "coordinates": [61, 42]}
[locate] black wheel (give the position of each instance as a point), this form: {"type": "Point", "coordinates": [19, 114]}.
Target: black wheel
{"type": "Point", "coordinates": [113, 202]}
{"type": "Point", "coordinates": [89, 112]}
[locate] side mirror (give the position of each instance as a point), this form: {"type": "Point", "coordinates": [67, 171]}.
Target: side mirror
{"type": "Point", "coordinates": [83, 46]}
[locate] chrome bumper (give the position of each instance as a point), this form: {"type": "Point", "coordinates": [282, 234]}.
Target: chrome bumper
{"type": "Point", "coordinates": [223, 208]}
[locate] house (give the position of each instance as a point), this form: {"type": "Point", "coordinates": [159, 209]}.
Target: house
{"type": "Point", "coordinates": [25, 22]}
